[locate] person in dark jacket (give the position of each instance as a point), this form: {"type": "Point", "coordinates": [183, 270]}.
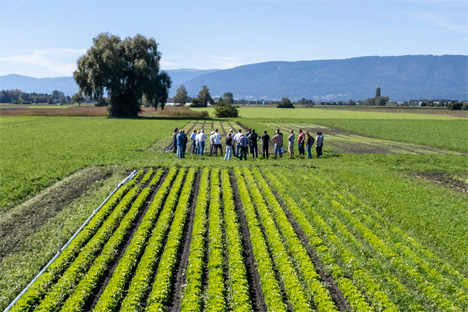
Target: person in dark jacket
{"type": "Point", "coordinates": [254, 144]}
{"type": "Point", "coordinates": [184, 143]}
{"type": "Point", "coordinates": [266, 142]}
{"type": "Point", "coordinates": [229, 144]}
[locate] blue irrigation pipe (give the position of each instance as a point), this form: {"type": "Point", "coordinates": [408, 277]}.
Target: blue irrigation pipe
{"type": "Point", "coordinates": [134, 172]}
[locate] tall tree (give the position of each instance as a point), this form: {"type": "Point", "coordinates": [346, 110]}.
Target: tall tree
{"type": "Point", "coordinates": [181, 96]}
{"type": "Point", "coordinates": [125, 69]}
{"type": "Point", "coordinates": [203, 98]}
{"type": "Point", "coordinates": [228, 97]}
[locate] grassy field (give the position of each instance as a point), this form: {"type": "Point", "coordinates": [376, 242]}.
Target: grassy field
{"type": "Point", "coordinates": [388, 213]}
{"type": "Point", "coordinates": [425, 129]}
{"type": "Point", "coordinates": [37, 151]}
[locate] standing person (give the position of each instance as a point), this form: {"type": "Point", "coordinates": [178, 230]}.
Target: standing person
{"type": "Point", "coordinates": [244, 146]}
{"type": "Point", "coordinates": [211, 143]}
{"type": "Point", "coordinates": [193, 137]}
{"type": "Point", "coordinates": [202, 141]}
{"type": "Point", "coordinates": [184, 143]}
{"type": "Point", "coordinates": [266, 142]}
{"type": "Point", "coordinates": [197, 141]}
{"type": "Point", "coordinates": [291, 140]}
{"type": "Point", "coordinates": [278, 140]}
{"type": "Point", "coordinates": [309, 142]}
{"type": "Point", "coordinates": [179, 144]}
{"type": "Point", "coordinates": [319, 144]}
{"type": "Point", "coordinates": [300, 142]}
{"type": "Point", "coordinates": [231, 132]}
{"type": "Point", "coordinates": [174, 140]}
{"type": "Point", "coordinates": [237, 142]}
{"type": "Point", "coordinates": [217, 143]}
{"type": "Point", "coordinates": [228, 146]}
{"type": "Point", "coordinates": [254, 144]}
{"type": "Point", "coordinates": [247, 135]}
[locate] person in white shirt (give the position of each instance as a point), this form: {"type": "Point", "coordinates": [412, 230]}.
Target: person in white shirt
{"type": "Point", "coordinates": [201, 140]}
{"type": "Point", "coordinates": [211, 143]}
{"type": "Point", "coordinates": [237, 142]}
{"type": "Point", "coordinates": [217, 142]}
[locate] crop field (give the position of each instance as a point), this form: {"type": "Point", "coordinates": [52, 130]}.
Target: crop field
{"type": "Point", "coordinates": [376, 224]}
{"type": "Point", "coordinates": [243, 239]}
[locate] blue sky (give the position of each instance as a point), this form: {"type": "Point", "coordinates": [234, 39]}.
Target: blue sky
{"type": "Point", "coordinates": [44, 38]}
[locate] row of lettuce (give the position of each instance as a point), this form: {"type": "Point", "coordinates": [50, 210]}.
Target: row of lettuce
{"type": "Point", "coordinates": [309, 246]}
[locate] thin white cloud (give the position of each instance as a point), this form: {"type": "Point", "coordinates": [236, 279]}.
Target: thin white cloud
{"type": "Point", "coordinates": [439, 21]}
{"type": "Point", "coordinates": [226, 62]}
{"type": "Point", "coordinates": [57, 62]}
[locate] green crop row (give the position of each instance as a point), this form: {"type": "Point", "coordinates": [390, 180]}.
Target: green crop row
{"type": "Point", "coordinates": [114, 290]}
{"type": "Point", "coordinates": [283, 263]}
{"type": "Point", "coordinates": [37, 291]}
{"type": "Point", "coordinates": [163, 280]}
{"type": "Point", "coordinates": [89, 283]}
{"type": "Point", "coordinates": [404, 244]}
{"type": "Point", "coordinates": [192, 298]}
{"type": "Point", "coordinates": [146, 177]}
{"type": "Point", "coordinates": [67, 283]}
{"type": "Point", "coordinates": [215, 294]}
{"type": "Point", "coordinates": [238, 286]}
{"type": "Point", "coordinates": [353, 266]}
{"type": "Point", "coordinates": [141, 282]}
{"type": "Point", "coordinates": [317, 292]}
{"type": "Point", "coordinates": [270, 286]}
{"type": "Point", "coordinates": [354, 297]}
{"type": "Point", "coordinates": [403, 265]}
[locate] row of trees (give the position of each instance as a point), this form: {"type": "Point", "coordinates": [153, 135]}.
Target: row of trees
{"type": "Point", "coordinates": [17, 96]}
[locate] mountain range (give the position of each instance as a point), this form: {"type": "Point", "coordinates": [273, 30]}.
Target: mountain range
{"type": "Point", "coordinates": [399, 77]}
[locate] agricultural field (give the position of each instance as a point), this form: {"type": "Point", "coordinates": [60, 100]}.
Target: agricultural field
{"type": "Point", "coordinates": [243, 239]}
{"type": "Point", "coordinates": [376, 224]}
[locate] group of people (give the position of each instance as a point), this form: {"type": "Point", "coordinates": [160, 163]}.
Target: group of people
{"type": "Point", "coordinates": [238, 144]}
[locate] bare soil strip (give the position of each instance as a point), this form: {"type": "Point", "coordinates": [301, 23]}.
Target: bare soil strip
{"type": "Point", "coordinates": [335, 292]}
{"type": "Point", "coordinates": [104, 280]}
{"type": "Point", "coordinates": [184, 252]}
{"type": "Point", "coordinates": [223, 129]}
{"type": "Point", "coordinates": [255, 288]}
{"type": "Point", "coordinates": [445, 179]}
{"type": "Point", "coordinates": [25, 219]}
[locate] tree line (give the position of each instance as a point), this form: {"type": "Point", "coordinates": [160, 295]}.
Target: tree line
{"type": "Point", "coordinates": [16, 96]}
